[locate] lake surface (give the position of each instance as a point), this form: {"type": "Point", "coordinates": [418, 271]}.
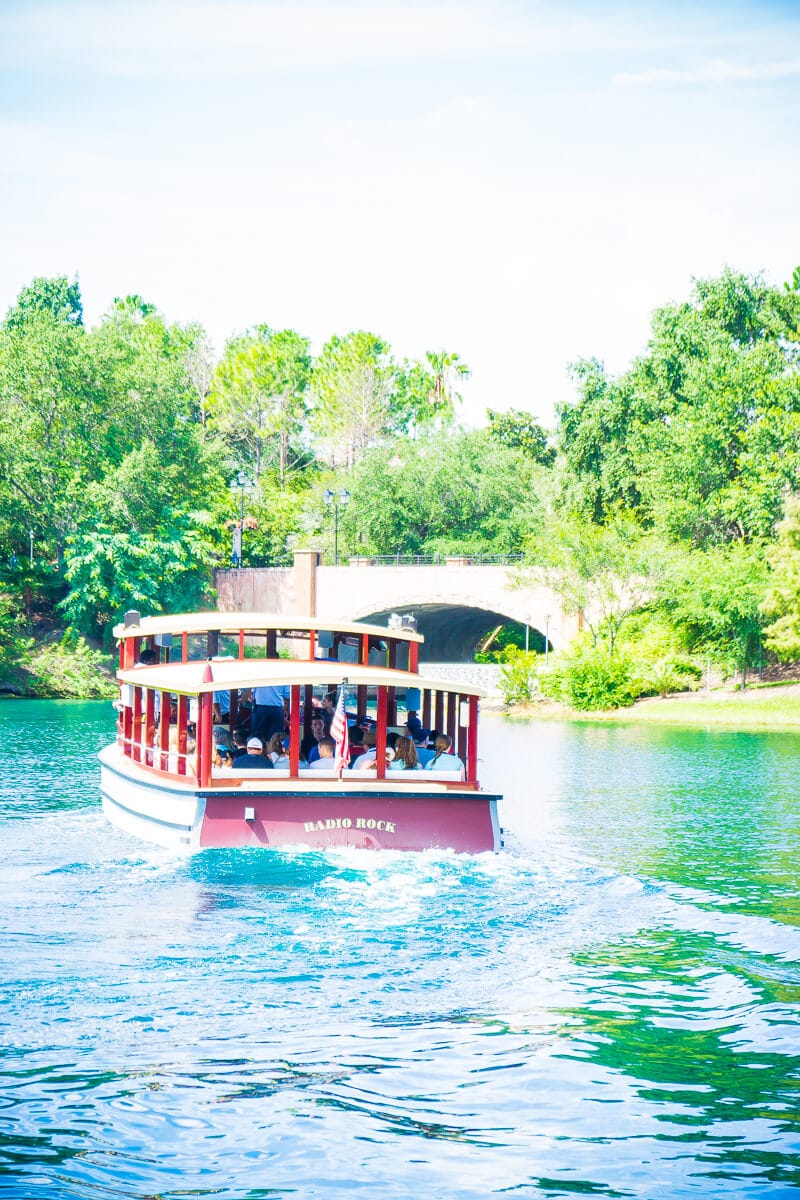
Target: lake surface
{"type": "Point", "coordinates": [609, 1008]}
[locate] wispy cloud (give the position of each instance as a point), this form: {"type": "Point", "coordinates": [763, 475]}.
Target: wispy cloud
{"type": "Point", "coordinates": [714, 71]}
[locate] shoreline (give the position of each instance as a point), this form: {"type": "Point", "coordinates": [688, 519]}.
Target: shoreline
{"type": "Point", "coordinates": [758, 708]}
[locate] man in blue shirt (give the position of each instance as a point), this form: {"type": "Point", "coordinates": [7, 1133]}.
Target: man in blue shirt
{"type": "Point", "coordinates": [268, 711]}
{"type": "Point", "coordinates": [255, 757]}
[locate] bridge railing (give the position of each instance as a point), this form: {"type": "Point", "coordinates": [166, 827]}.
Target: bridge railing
{"type": "Point", "coordinates": [434, 560]}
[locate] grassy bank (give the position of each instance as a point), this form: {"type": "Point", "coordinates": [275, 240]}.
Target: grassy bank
{"type": "Point", "coordinates": [755, 708]}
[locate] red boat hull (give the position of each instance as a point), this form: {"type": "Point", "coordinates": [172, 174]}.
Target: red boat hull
{"type": "Point", "coordinates": [466, 822]}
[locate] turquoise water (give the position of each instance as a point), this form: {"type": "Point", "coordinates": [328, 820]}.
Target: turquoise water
{"type": "Point", "coordinates": [610, 1008]}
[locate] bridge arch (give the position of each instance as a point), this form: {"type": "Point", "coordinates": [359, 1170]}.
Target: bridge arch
{"type": "Point", "coordinates": [456, 604]}
{"type": "Point", "coordinates": [453, 632]}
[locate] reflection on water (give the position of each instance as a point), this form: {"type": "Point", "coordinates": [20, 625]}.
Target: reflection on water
{"type": "Point", "coordinates": [609, 1009]}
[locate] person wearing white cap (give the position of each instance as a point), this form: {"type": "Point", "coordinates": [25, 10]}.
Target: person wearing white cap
{"type": "Point", "coordinates": [255, 758]}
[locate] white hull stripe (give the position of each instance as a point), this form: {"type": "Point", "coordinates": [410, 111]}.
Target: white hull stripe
{"type": "Point", "coordinates": [132, 812]}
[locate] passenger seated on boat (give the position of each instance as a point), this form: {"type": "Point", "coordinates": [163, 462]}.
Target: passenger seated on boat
{"type": "Point", "coordinates": [405, 756]}
{"type": "Point", "coordinates": [222, 707]}
{"type": "Point", "coordinates": [278, 750]}
{"type": "Point", "coordinates": [326, 748]}
{"type": "Point", "coordinates": [239, 738]}
{"type": "Point", "coordinates": [414, 725]}
{"type": "Point", "coordinates": [255, 758]}
{"type": "Point", "coordinates": [308, 746]}
{"type": "Point", "coordinates": [222, 756]}
{"type": "Point", "coordinates": [191, 754]}
{"type": "Point", "coordinates": [442, 759]}
{"type": "Point", "coordinates": [425, 748]}
{"type": "Point", "coordinates": [364, 760]}
{"type": "Point", "coordinates": [328, 707]}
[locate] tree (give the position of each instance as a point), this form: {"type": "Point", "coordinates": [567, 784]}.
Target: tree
{"type": "Point", "coordinates": [354, 385]}
{"type": "Point", "coordinates": [520, 431]}
{"type": "Point", "coordinates": [782, 601]}
{"type": "Point", "coordinates": [140, 364]}
{"type": "Point", "coordinates": [605, 572]}
{"type": "Point", "coordinates": [56, 298]}
{"type": "Point", "coordinates": [447, 373]}
{"type": "Point", "coordinates": [462, 494]}
{"type": "Point", "coordinates": [51, 415]}
{"type": "Point", "coordinates": [701, 436]}
{"type": "Point", "coordinates": [259, 401]}
{"type": "Point", "coordinates": [714, 595]}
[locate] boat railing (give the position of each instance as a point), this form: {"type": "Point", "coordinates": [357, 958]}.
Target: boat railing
{"type": "Point", "coordinates": [183, 744]}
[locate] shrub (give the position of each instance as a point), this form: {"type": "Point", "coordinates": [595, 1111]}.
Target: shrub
{"type": "Point", "coordinates": [673, 673]}
{"type": "Point", "coordinates": [58, 672]}
{"type": "Point", "coordinates": [590, 679]}
{"type": "Point", "coordinates": [519, 681]}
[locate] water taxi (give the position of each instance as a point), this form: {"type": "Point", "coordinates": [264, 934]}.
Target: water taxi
{"type": "Point", "coordinates": [161, 779]}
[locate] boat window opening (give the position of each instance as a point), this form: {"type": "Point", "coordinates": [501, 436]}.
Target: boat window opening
{"type": "Point", "coordinates": [228, 645]}
{"type": "Point", "coordinates": [197, 647]}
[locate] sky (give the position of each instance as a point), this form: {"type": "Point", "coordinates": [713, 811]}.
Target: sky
{"type": "Point", "coordinates": [518, 182]}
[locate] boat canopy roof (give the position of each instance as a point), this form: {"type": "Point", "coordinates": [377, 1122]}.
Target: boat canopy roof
{"type": "Point", "coordinates": [192, 678]}
{"type": "Point", "coordinates": [255, 622]}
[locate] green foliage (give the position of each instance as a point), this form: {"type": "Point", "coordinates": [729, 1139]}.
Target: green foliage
{"type": "Point", "coordinates": [699, 438]}
{"type": "Point", "coordinates": [715, 595]}
{"type": "Point", "coordinates": [507, 640]}
{"type": "Point", "coordinates": [519, 676]}
{"type": "Point", "coordinates": [259, 400]}
{"type": "Point", "coordinates": [521, 432]}
{"type": "Point", "coordinates": [71, 673]}
{"type": "Point", "coordinates": [782, 601]}
{"type": "Point", "coordinates": [606, 572]}
{"type": "Point", "coordinates": [111, 572]}
{"type": "Point", "coordinates": [15, 646]}
{"type": "Point", "coordinates": [671, 674]}
{"type": "Point", "coordinates": [56, 298]}
{"type": "Point", "coordinates": [459, 493]}
{"type": "Point", "coordinates": [590, 679]}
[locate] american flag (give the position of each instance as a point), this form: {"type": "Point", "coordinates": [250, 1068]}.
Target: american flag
{"type": "Point", "coordinates": [340, 733]}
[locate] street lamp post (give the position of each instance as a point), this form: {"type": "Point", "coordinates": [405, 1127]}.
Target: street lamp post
{"type": "Point", "coordinates": [343, 499]}
{"type": "Point", "coordinates": [243, 484]}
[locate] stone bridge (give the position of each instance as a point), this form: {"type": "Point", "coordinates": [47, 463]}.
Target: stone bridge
{"type": "Point", "coordinates": [456, 603]}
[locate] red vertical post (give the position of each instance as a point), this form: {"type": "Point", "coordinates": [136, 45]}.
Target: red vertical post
{"type": "Point", "coordinates": [413, 657]}
{"type": "Point", "coordinates": [127, 729]}
{"type": "Point", "coordinates": [472, 750]}
{"type": "Point", "coordinates": [149, 724]}
{"type": "Point", "coordinates": [241, 643]}
{"type": "Point", "coordinates": [185, 647]}
{"type": "Point", "coordinates": [183, 718]}
{"type": "Point", "coordinates": [294, 730]}
{"type": "Point", "coordinates": [135, 644]}
{"type": "Point", "coordinates": [312, 644]}
{"type": "Point", "coordinates": [163, 731]}
{"type": "Point", "coordinates": [380, 736]}
{"type": "Point", "coordinates": [462, 730]}
{"type": "Point", "coordinates": [365, 649]}
{"type": "Point", "coordinates": [205, 726]}
{"type": "Point", "coordinates": [136, 749]}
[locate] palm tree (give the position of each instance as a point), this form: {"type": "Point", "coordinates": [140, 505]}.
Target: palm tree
{"type": "Point", "coordinates": [446, 371]}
